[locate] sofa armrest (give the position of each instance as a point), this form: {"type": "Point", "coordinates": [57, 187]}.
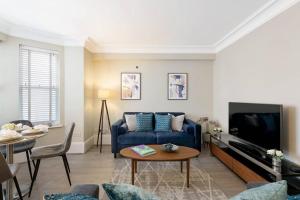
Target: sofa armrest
{"type": "Point", "coordinates": [195, 129]}
{"type": "Point", "coordinates": [116, 130]}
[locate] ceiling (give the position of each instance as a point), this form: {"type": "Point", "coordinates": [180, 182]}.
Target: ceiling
{"type": "Point", "coordinates": [109, 25]}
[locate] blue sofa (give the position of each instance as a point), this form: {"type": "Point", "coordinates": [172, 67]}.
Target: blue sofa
{"type": "Point", "coordinates": [121, 138]}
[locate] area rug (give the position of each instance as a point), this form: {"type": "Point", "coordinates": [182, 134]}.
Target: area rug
{"type": "Point", "coordinates": [165, 180]}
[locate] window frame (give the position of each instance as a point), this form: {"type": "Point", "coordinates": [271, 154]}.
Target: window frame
{"type": "Point", "coordinates": [57, 122]}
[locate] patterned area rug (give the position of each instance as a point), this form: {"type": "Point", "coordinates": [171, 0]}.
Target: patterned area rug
{"type": "Point", "coordinates": [166, 181]}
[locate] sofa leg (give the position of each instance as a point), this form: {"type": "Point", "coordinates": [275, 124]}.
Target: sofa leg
{"type": "Point", "coordinates": [115, 155]}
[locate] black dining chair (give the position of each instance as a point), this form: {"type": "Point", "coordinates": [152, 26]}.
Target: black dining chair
{"type": "Point", "coordinates": [8, 171]}
{"type": "Point", "coordinates": [22, 147]}
{"type": "Point", "coordinates": [51, 151]}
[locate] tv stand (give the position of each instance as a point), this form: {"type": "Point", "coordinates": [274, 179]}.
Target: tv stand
{"type": "Point", "coordinates": [251, 163]}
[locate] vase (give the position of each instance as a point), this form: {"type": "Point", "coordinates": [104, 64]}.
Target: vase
{"type": "Point", "coordinates": [276, 162]}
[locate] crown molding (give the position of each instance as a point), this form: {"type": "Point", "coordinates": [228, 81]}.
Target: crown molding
{"type": "Point", "coordinates": [155, 49]}
{"type": "Point", "coordinates": [38, 35]}
{"type": "Point", "coordinates": [154, 56]}
{"type": "Point", "coordinates": [260, 17]}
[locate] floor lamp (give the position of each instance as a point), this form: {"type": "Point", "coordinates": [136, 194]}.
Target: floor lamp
{"type": "Point", "coordinates": [103, 95]}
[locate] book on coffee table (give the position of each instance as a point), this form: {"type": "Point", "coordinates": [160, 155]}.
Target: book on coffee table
{"type": "Point", "coordinates": [143, 150]}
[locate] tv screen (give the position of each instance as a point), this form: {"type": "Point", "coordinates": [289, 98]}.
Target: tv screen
{"type": "Point", "coordinates": [260, 124]}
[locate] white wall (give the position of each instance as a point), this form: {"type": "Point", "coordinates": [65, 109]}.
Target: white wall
{"type": "Point", "coordinates": [9, 88]}
{"type": "Point", "coordinates": [264, 67]}
{"type": "Point", "coordinates": [154, 86]}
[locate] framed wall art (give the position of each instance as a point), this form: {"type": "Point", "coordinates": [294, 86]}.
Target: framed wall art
{"type": "Point", "coordinates": [130, 86]}
{"type": "Point", "coordinates": [177, 86]}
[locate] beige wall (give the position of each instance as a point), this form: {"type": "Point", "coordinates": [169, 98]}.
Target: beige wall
{"type": "Point", "coordinates": [89, 98]}
{"type": "Point", "coordinates": [154, 86]}
{"type": "Point", "coordinates": [264, 67]}
{"type": "Point", "coordinates": [9, 88]}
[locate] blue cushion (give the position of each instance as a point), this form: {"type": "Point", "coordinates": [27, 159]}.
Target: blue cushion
{"type": "Point", "coordinates": [178, 138]}
{"type": "Point", "coordinates": [295, 197]}
{"type": "Point", "coordinates": [69, 196]}
{"type": "Point", "coordinates": [136, 138]}
{"type": "Point", "coordinates": [127, 192]}
{"type": "Point", "coordinates": [271, 191]}
{"type": "Point", "coordinates": [162, 122]}
{"type": "Point", "coordinates": [144, 122]}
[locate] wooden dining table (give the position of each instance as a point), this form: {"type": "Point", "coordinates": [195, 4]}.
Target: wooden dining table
{"type": "Point", "coordinates": [10, 158]}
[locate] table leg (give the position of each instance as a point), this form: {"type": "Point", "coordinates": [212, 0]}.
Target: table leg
{"type": "Point", "coordinates": [181, 166]}
{"type": "Point", "coordinates": [10, 160]}
{"type": "Point", "coordinates": [132, 171]}
{"type": "Point", "coordinates": [135, 167]}
{"type": "Point", "coordinates": [188, 173]}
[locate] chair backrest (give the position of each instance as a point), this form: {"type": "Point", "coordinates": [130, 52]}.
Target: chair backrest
{"type": "Point", "coordinates": [5, 172]}
{"type": "Point", "coordinates": [68, 139]}
{"type": "Point", "coordinates": [24, 122]}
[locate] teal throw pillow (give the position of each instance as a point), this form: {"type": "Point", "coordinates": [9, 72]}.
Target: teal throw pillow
{"type": "Point", "coordinates": [144, 122]}
{"type": "Point", "coordinates": [271, 191]}
{"type": "Point", "coordinates": [127, 192]}
{"type": "Point", "coordinates": [68, 196]}
{"type": "Point", "coordinates": [163, 122]}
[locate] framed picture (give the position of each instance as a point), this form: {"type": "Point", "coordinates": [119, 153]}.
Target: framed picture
{"type": "Point", "coordinates": [130, 86]}
{"type": "Point", "coordinates": [177, 86]}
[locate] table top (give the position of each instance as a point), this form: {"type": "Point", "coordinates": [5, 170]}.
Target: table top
{"type": "Point", "coordinates": [24, 138]}
{"type": "Point", "coordinates": [183, 153]}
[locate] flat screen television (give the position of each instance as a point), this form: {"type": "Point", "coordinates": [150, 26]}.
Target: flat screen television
{"type": "Point", "coordinates": [259, 124]}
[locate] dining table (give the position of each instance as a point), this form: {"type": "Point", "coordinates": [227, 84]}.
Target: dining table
{"type": "Point", "coordinates": [10, 152]}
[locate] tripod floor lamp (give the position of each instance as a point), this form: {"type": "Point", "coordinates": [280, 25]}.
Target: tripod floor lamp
{"type": "Point", "coordinates": [103, 95]}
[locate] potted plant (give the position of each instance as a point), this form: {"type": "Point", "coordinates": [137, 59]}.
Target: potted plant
{"type": "Point", "coordinates": [277, 156]}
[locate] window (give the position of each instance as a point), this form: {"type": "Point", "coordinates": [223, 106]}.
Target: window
{"type": "Point", "coordinates": [39, 88]}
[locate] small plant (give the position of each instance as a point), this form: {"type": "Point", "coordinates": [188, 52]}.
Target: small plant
{"type": "Point", "coordinates": [217, 130]}
{"type": "Point", "coordinates": [277, 154]}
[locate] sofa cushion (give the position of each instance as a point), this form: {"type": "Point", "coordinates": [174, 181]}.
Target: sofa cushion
{"type": "Point", "coordinates": [144, 122]}
{"type": "Point", "coordinates": [178, 138]}
{"type": "Point", "coordinates": [131, 122]}
{"type": "Point", "coordinates": [162, 122]}
{"type": "Point", "coordinates": [177, 122]}
{"type": "Point", "coordinates": [136, 138]}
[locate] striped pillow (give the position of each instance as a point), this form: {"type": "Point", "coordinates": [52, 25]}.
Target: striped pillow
{"type": "Point", "coordinates": [162, 122]}
{"type": "Point", "coordinates": [144, 122]}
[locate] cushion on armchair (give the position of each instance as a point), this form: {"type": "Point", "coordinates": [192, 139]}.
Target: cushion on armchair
{"type": "Point", "coordinates": [144, 122]}
{"type": "Point", "coordinates": [68, 196]}
{"type": "Point", "coordinates": [127, 192]}
{"type": "Point", "coordinates": [131, 122]}
{"type": "Point", "coordinates": [271, 191]}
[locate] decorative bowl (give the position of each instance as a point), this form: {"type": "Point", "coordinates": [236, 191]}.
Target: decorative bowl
{"type": "Point", "coordinates": [169, 147]}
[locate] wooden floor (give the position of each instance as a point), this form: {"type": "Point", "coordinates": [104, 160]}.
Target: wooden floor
{"type": "Point", "coordinates": [97, 168]}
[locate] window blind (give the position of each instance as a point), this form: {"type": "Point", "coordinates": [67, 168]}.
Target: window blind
{"type": "Point", "coordinates": [39, 88]}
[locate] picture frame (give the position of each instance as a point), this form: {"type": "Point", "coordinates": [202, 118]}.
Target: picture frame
{"type": "Point", "coordinates": [131, 86]}
{"type": "Point", "coordinates": [177, 86]}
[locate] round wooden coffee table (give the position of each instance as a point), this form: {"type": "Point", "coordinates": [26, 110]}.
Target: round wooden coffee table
{"type": "Point", "coordinates": [182, 154]}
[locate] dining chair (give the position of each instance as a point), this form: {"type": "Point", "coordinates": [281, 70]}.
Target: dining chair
{"type": "Point", "coordinates": [22, 147]}
{"type": "Point", "coordinates": [8, 171]}
{"type": "Point", "coordinates": [51, 151]}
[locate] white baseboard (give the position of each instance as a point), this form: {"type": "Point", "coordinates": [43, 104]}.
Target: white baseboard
{"type": "Point", "coordinates": [81, 147]}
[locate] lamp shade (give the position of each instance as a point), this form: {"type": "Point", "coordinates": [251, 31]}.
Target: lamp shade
{"type": "Point", "coordinates": [103, 94]}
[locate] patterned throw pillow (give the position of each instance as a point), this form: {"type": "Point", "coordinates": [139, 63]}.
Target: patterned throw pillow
{"type": "Point", "coordinates": [68, 196]}
{"type": "Point", "coordinates": [271, 191]}
{"type": "Point", "coordinates": [127, 192]}
{"type": "Point", "coordinates": [162, 122]}
{"type": "Point", "coordinates": [144, 122]}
